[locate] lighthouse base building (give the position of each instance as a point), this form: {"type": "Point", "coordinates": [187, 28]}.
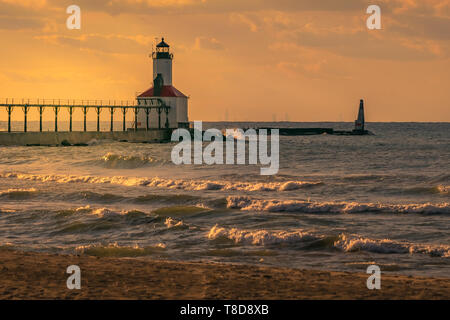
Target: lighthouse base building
{"type": "Point", "coordinates": [175, 113]}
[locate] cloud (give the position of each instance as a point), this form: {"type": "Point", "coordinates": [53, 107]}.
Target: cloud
{"type": "Point", "coordinates": [363, 44]}
{"type": "Point", "coordinates": [431, 27]}
{"type": "Point", "coordinates": [19, 23]}
{"type": "Point", "coordinates": [208, 43]}
{"type": "Point", "coordinates": [213, 6]}
{"type": "Point", "coordinates": [320, 69]}
{"type": "Point", "coordinates": [246, 20]}
{"type": "Point", "coordinates": [104, 43]}
{"type": "Point", "coordinates": [35, 4]}
{"type": "Point", "coordinates": [23, 15]}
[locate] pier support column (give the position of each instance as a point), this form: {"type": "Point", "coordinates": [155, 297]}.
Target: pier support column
{"type": "Point", "coordinates": [25, 109]}
{"type": "Point", "coordinates": [70, 120]}
{"type": "Point", "coordinates": [124, 112]}
{"type": "Point", "coordinates": [159, 118]}
{"type": "Point", "coordinates": [85, 110]}
{"type": "Point", "coordinates": [167, 117]}
{"type": "Point", "coordinates": [147, 112]}
{"type": "Point", "coordinates": [9, 109]}
{"type": "Point", "coordinates": [136, 110]}
{"type": "Point", "coordinates": [111, 110]}
{"type": "Point", "coordinates": [56, 109]}
{"type": "Point", "coordinates": [41, 111]}
{"type": "Point", "coordinates": [98, 110]}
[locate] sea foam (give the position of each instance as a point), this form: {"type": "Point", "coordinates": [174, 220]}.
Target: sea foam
{"type": "Point", "coordinates": [249, 204]}
{"type": "Point", "coordinates": [343, 242]}
{"type": "Point", "coordinates": [357, 243]}
{"type": "Point", "coordinates": [188, 184]}
{"type": "Point", "coordinates": [258, 237]}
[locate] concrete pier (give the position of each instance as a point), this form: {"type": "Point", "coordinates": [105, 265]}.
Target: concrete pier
{"type": "Point", "coordinates": [81, 138]}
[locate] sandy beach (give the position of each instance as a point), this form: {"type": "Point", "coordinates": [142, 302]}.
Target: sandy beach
{"type": "Point", "coordinates": [29, 275]}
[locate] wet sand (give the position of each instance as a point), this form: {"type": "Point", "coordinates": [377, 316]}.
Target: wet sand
{"type": "Point", "coordinates": [29, 275]}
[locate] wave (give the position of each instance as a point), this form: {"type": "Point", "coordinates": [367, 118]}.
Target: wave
{"type": "Point", "coordinates": [107, 213]}
{"type": "Point", "coordinates": [115, 250]}
{"type": "Point", "coordinates": [258, 237]}
{"type": "Point", "coordinates": [352, 244]}
{"type": "Point", "coordinates": [172, 223]}
{"type": "Point", "coordinates": [343, 242]}
{"type": "Point", "coordinates": [143, 199]}
{"type": "Point", "coordinates": [114, 161]}
{"type": "Point", "coordinates": [100, 212]}
{"type": "Point", "coordinates": [19, 194]}
{"type": "Point", "coordinates": [419, 190]}
{"type": "Point", "coordinates": [94, 196]}
{"type": "Point", "coordinates": [198, 185]}
{"type": "Point", "coordinates": [76, 179]}
{"type": "Point", "coordinates": [443, 189]}
{"type": "Point", "coordinates": [88, 219]}
{"type": "Point", "coordinates": [180, 210]}
{"type": "Point", "coordinates": [248, 204]}
{"type": "Point", "coordinates": [168, 198]}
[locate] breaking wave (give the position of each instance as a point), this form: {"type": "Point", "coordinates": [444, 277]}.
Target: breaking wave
{"type": "Point", "coordinates": [172, 223]}
{"type": "Point", "coordinates": [343, 242]}
{"type": "Point", "coordinates": [258, 237]}
{"type": "Point", "coordinates": [18, 194]}
{"type": "Point", "coordinates": [248, 204]}
{"type": "Point", "coordinates": [100, 212]}
{"type": "Point", "coordinates": [352, 244]}
{"type": "Point", "coordinates": [168, 183]}
{"type": "Point", "coordinates": [114, 161]}
{"type": "Point", "coordinates": [443, 189]}
{"type": "Point", "coordinates": [106, 212]}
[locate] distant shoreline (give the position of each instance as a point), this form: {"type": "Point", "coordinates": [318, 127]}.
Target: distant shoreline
{"type": "Point", "coordinates": [31, 275]}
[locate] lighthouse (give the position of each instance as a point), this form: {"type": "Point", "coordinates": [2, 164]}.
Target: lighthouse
{"type": "Point", "coordinates": [163, 89]}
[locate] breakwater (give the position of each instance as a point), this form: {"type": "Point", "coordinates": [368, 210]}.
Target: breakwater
{"type": "Point", "coordinates": [81, 138]}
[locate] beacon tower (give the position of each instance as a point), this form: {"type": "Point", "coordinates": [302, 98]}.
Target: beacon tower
{"type": "Point", "coordinates": [359, 123]}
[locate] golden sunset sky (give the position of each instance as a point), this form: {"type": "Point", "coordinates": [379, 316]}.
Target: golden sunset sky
{"type": "Point", "coordinates": [253, 60]}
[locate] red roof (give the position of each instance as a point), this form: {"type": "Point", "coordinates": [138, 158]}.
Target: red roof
{"type": "Point", "coordinates": [167, 91]}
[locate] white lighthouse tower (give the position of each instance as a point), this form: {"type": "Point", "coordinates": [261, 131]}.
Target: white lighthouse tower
{"type": "Point", "coordinates": [162, 62]}
{"type": "Point", "coordinates": [163, 89]}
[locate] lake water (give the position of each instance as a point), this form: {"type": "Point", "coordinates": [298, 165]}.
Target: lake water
{"type": "Point", "coordinates": [337, 203]}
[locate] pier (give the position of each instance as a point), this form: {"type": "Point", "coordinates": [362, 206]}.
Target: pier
{"type": "Point", "coordinates": [98, 105]}
{"type": "Point", "coordinates": [136, 133]}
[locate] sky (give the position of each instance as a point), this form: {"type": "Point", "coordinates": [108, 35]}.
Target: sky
{"type": "Point", "coordinates": [237, 60]}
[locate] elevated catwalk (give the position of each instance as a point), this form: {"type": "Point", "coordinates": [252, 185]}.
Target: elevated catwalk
{"type": "Point", "coordinates": [135, 133]}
